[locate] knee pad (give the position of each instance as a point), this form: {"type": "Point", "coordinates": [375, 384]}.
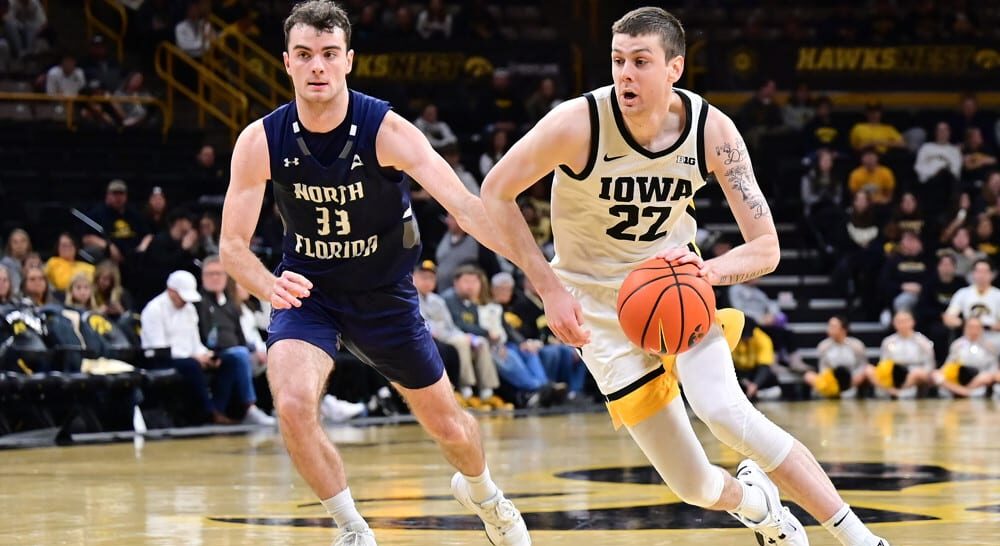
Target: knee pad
{"type": "Point", "coordinates": [699, 490]}
{"type": "Point", "coordinates": [746, 430]}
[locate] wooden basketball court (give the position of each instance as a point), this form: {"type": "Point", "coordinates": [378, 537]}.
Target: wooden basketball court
{"type": "Point", "coordinates": [928, 471]}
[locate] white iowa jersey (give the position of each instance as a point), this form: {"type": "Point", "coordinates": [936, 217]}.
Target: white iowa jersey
{"type": "Point", "coordinates": [627, 203]}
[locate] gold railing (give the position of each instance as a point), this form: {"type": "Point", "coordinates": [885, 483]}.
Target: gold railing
{"type": "Point", "coordinates": [210, 93]}
{"type": "Point", "coordinates": [116, 35]}
{"type": "Point", "coordinates": [69, 105]}
{"type": "Point", "coordinates": [248, 67]}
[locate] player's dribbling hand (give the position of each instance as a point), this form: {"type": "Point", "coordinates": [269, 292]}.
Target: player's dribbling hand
{"type": "Point", "coordinates": [289, 290]}
{"type": "Point", "coordinates": [682, 255]}
{"type": "Point", "coordinates": [565, 318]}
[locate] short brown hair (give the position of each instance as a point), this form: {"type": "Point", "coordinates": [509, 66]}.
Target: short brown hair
{"type": "Point", "coordinates": [650, 20]}
{"type": "Point", "coordinates": [322, 15]}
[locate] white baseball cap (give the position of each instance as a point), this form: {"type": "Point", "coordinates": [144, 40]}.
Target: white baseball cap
{"type": "Point", "coordinates": [185, 286]}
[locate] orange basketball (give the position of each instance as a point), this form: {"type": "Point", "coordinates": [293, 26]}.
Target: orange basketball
{"type": "Point", "coordinates": [665, 308]}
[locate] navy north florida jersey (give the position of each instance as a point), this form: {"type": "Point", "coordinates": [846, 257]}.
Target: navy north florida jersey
{"type": "Point", "coordinates": [349, 229]}
{"type": "Point", "coordinates": [348, 225]}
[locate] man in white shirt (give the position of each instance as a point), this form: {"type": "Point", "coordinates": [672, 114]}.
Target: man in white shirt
{"type": "Point", "coordinates": [65, 79]}
{"type": "Point", "coordinates": [438, 133]}
{"type": "Point", "coordinates": [194, 34]}
{"type": "Point", "coordinates": [981, 301]}
{"type": "Point", "coordinates": [170, 323]}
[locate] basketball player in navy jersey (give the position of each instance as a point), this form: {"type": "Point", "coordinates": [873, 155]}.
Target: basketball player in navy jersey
{"type": "Point", "coordinates": [628, 160]}
{"type": "Point", "coordinates": [336, 158]}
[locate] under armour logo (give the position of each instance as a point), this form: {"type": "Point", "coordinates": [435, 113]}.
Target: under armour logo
{"type": "Point", "coordinates": [356, 162]}
{"type": "Point", "coordinates": [292, 161]}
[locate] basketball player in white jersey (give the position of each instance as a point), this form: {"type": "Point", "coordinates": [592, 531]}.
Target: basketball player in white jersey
{"type": "Point", "coordinates": [628, 159]}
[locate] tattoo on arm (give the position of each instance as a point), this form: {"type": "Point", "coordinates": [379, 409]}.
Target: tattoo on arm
{"type": "Point", "coordinates": [741, 178]}
{"type": "Point", "coordinates": [732, 153]}
{"type": "Point", "coordinates": [738, 278]}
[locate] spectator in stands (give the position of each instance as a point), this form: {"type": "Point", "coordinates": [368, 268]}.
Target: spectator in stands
{"type": "Point", "coordinates": [502, 107]}
{"type": "Point", "coordinates": [978, 158]}
{"type": "Point", "coordinates": [799, 110]}
{"type": "Point", "coordinates": [366, 25]}
{"type": "Point", "coordinates": [971, 365]}
{"type": "Point", "coordinates": [35, 287]}
{"type": "Point", "coordinates": [222, 333]}
{"type": "Point", "coordinates": [476, 365]}
{"type": "Point", "coordinates": [938, 167]}
{"type": "Point", "coordinates": [562, 364]}
{"type": "Point", "coordinates": [131, 114]}
{"type": "Point", "coordinates": [171, 339]}
{"type": "Point", "coordinates": [8, 295]}
{"type": "Point", "coordinates": [908, 216]}
{"type": "Point", "coordinates": [100, 66]}
{"type": "Point", "coordinates": [451, 154]}
{"type": "Point", "coordinates": [253, 321]}
{"type": "Point", "coordinates": [463, 302]}
{"type": "Point", "coordinates": [169, 251]}
{"type": "Point", "coordinates": [111, 299]}
{"type": "Point", "coordinates": [434, 22]}
{"type": "Point", "coordinates": [861, 254]}
{"type": "Point", "coordinates": [969, 116]}
{"type": "Point", "coordinates": [438, 133]}
{"type": "Point", "coordinates": [479, 20]}
{"type": "Point", "coordinates": [877, 180]}
{"type": "Point", "coordinates": [498, 146]}
{"type": "Point", "coordinates": [194, 34]}
{"type": "Point", "coordinates": [821, 186]}
{"type": "Point", "coordinates": [208, 234]}
{"type": "Point", "coordinates": [80, 295]}
{"type": "Point", "coordinates": [843, 365]}
{"type": "Point", "coordinates": [457, 248]}
{"type": "Point", "coordinates": [95, 113]}
{"type": "Point", "coordinates": [874, 133]}
{"type": "Point", "coordinates": [17, 249]}
{"type": "Point", "coordinates": [965, 255]}
{"type": "Point", "coordinates": [753, 358]}
{"type": "Point", "coordinates": [155, 211]}
{"type": "Point", "coordinates": [123, 226]}
{"type": "Point", "coordinates": [541, 102]}
{"type": "Point", "coordinates": [984, 238]}
{"type": "Point", "coordinates": [760, 114]}
{"type": "Point", "coordinates": [540, 226]}
{"type": "Point", "coordinates": [822, 131]}
{"type": "Point", "coordinates": [400, 22]}
{"type": "Point", "coordinates": [765, 313]}
{"type": "Point", "coordinates": [988, 201]}
{"type": "Point", "coordinates": [24, 24]}
{"type": "Point", "coordinates": [938, 290]}
{"type": "Point", "coordinates": [980, 300]}
{"type": "Point", "coordinates": [903, 273]}
{"type": "Point", "coordinates": [906, 361]}
{"type": "Point", "coordinates": [956, 217]}
{"type": "Point", "coordinates": [64, 265]}
{"type": "Point", "coordinates": [154, 23]}
{"type": "Point", "coordinates": [65, 79]}
{"type": "Point", "coordinates": [210, 174]}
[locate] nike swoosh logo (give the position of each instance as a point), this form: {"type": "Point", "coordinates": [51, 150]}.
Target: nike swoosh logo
{"type": "Point", "coordinates": [609, 158]}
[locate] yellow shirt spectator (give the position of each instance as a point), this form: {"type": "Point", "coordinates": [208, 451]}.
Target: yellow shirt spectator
{"type": "Point", "coordinates": [756, 350]}
{"type": "Point", "coordinates": [60, 271]}
{"type": "Point", "coordinates": [879, 135]}
{"type": "Point", "coordinates": [878, 181]}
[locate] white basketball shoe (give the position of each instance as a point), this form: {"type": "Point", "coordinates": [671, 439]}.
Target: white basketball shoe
{"type": "Point", "coordinates": [779, 527]}
{"type": "Point", "coordinates": [355, 535]}
{"type": "Point", "coordinates": [504, 524]}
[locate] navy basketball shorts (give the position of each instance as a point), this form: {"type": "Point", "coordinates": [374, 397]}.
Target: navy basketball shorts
{"type": "Point", "coordinates": [382, 327]}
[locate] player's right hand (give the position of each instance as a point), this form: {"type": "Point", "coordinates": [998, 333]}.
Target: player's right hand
{"type": "Point", "coordinates": [565, 317]}
{"type": "Point", "coordinates": [289, 290]}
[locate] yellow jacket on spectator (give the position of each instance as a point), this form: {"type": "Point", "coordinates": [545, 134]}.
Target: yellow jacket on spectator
{"type": "Point", "coordinates": [756, 350]}
{"type": "Point", "coordinates": [60, 272]}
{"type": "Point", "coordinates": [874, 134]}
{"type": "Point", "coordinates": [879, 182]}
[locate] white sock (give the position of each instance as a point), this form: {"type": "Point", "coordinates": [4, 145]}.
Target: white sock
{"type": "Point", "coordinates": [754, 504]}
{"type": "Point", "coordinates": [481, 487]}
{"type": "Point", "coordinates": [848, 529]}
{"type": "Point", "coordinates": [485, 394]}
{"type": "Point", "coordinates": [466, 392]}
{"type": "Point", "coordinates": [341, 507]}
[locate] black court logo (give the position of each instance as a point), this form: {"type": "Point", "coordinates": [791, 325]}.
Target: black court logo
{"type": "Point", "coordinates": [686, 160]}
